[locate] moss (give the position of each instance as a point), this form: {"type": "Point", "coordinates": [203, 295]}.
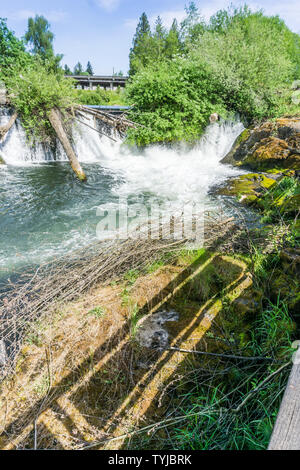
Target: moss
{"type": "Point", "coordinates": [248, 188]}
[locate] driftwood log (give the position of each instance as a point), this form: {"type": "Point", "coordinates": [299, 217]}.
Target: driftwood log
{"type": "Point", "coordinates": [4, 129]}
{"type": "Point", "coordinates": [56, 123]}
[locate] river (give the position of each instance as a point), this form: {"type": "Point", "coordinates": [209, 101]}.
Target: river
{"type": "Point", "coordinates": [45, 211]}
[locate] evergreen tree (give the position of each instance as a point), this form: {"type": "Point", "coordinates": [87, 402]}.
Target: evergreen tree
{"type": "Point", "coordinates": [193, 25]}
{"type": "Point", "coordinates": [78, 69]}
{"type": "Point", "coordinates": [67, 70]}
{"type": "Point", "coordinates": [172, 43]}
{"type": "Point", "coordinates": [89, 68]}
{"type": "Point", "coordinates": [139, 53]}
{"type": "Point", "coordinates": [159, 39]}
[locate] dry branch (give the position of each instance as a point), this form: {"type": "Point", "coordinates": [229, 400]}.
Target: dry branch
{"type": "Point", "coordinates": [4, 129]}
{"type": "Point", "coordinates": [56, 123]}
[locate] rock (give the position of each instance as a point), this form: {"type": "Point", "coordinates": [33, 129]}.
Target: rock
{"type": "Point", "coordinates": [269, 145]}
{"type": "Point", "coordinates": [151, 332]}
{"type": "Point", "coordinates": [214, 118]}
{"type": "Point", "coordinates": [247, 188]}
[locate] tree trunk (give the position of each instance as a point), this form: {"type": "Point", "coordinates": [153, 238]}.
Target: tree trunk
{"type": "Point", "coordinates": [4, 129]}
{"type": "Point", "coordinates": [56, 123]}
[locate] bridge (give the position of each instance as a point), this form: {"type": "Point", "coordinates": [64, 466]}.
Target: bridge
{"type": "Point", "coordinates": [91, 82]}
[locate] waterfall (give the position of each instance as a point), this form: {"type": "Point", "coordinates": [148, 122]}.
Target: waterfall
{"type": "Point", "coordinates": [16, 150]}
{"type": "Point", "coordinates": [91, 147]}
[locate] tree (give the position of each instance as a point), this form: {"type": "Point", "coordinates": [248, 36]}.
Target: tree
{"type": "Point", "coordinates": [40, 37]}
{"type": "Point", "coordinates": [67, 70]}
{"type": "Point", "coordinates": [78, 69]}
{"type": "Point", "coordinates": [89, 68]}
{"type": "Point", "coordinates": [159, 39]}
{"type": "Point", "coordinates": [193, 25]}
{"type": "Point", "coordinates": [12, 50]}
{"type": "Point", "coordinates": [139, 53]}
{"type": "Point", "coordinates": [172, 42]}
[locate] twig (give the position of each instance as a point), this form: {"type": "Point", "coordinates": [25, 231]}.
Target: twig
{"type": "Point", "coordinates": [236, 410]}
{"type": "Point", "coordinates": [225, 356]}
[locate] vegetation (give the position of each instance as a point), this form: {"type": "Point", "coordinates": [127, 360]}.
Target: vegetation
{"type": "Point", "coordinates": [100, 97]}
{"type": "Point", "coordinates": [40, 38]}
{"type": "Point", "coordinates": [239, 61]}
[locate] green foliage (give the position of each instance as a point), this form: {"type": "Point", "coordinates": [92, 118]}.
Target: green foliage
{"type": "Point", "coordinates": [78, 70]}
{"type": "Point", "coordinates": [238, 62]}
{"type": "Point", "coordinates": [67, 70]}
{"type": "Point", "coordinates": [12, 51]}
{"type": "Point", "coordinates": [100, 97]}
{"type": "Point", "coordinates": [173, 101]}
{"type": "Point", "coordinates": [248, 56]}
{"type": "Point", "coordinates": [98, 312]}
{"type": "Point", "coordinates": [34, 91]}
{"type": "Point", "coordinates": [273, 330]}
{"type": "Point", "coordinates": [141, 48]}
{"type": "Point", "coordinates": [282, 200]}
{"type": "Point", "coordinates": [40, 38]}
{"type": "Point", "coordinates": [89, 68]}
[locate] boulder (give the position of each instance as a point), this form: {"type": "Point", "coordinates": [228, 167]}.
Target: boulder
{"type": "Point", "coordinates": [267, 146]}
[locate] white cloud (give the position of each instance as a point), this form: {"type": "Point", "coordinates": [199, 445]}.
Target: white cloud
{"type": "Point", "coordinates": [108, 5]}
{"type": "Point", "coordinates": [54, 16]}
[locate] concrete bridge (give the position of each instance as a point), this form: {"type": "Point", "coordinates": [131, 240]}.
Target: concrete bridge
{"type": "Point", "coordinates": [91, 82]}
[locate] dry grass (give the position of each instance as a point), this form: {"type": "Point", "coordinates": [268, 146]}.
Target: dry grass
{"type": "Point", "coordinates": [75, 376]}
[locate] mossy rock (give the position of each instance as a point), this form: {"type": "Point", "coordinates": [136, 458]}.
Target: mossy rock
{"type": "Point", "coordinates": [247, 188]}
{"type": "Point", "coordinates": [2, 162]}
{"type": "Point", "coordinates": [269, 145]}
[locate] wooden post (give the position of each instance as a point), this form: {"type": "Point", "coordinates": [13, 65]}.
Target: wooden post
{"type": "Point", "coordinates": [55, 121]}
{"type": "Point", "coordinates": [286, 433]}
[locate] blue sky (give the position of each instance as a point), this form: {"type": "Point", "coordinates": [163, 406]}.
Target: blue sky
{"type": "Point", "coordinates": [101, 30]}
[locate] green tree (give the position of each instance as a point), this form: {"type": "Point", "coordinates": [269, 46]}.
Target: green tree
{"type": "Point", "coordinates": [40, 37]}
{"type": "Point", "coordinates": [193, 25]}
{"type": "Point", "coordinates": [89, 68]}
{"type": "Point", "coordinates": [12, 50]}
{"type": "Point", "coordinates": [159, 40]}
{"type": "Point", "coordinates": [139, 53]}
{"type": "Point", "coordinates": [249, 58]}
{"type": "Point", "coordinates": [78, 69]}
{"type": "Point", "coordinates": [172, 41]}
{"type": "Point", "coordinates": [67, 70]}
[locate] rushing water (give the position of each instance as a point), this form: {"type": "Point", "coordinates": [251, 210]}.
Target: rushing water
{"type": "Point", "coordinates": [46, 211]}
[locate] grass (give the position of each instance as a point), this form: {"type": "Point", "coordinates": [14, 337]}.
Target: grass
{"type": "Point", "coordinates": [98, 312]}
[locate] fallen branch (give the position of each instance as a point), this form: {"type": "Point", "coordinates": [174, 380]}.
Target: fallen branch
{"type": "Point", "coordinates": [4, 129]}
{"type": "Point", "coordinates": [56, 123]}
{"type": "Point", "coordinates": [225, 356]}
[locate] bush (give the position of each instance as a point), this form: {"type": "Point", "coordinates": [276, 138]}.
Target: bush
{"type": "Point", "coordinates": [173, 101]}
{"type": "Point", "coordinates": [34, 91]}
